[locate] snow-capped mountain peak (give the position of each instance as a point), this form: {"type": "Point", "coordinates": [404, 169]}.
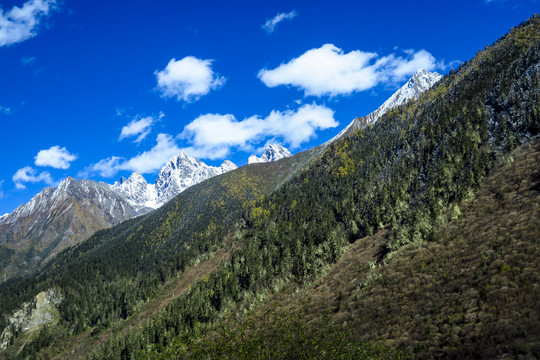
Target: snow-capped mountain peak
{"type": "Point", "coordinates": [179, 173]}
{"type": "Point", "coordinates": [227, 166]}
{"type": "Point", "coordinates": [421, 81]}
{"type": "Point", "coordinates": [2, 217]}
{"type": "Point", "coordinates": [137, 191]}
{"type": "Point", "coordinates": [183, 171]}
{"type": "Point", "coordinates": [272, 152]}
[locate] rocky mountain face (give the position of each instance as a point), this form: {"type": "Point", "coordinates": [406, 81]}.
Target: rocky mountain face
{"type": "Point", "coordinates": [43, 310]}
{"type": "Point", "coordinates": [141, 195]}
{"type": "Point", "coordinates": [272, 152]}
{"type": "Point", "coordinates": [179, 173]}
{"type": "Point", "coordinates": [421, 81]}
{"type": "Point", "coordinates": [183, 171]}
{"type": "Point", "coordinates": [55, 219]}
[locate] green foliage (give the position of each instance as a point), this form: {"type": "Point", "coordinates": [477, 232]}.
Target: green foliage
{"type": "Point", "coordinates": [401, 174]}
{"type": "Point", "coordinates": [284, 336]}
{"type": "Point", "coordinates": [31, 348]}
{"type": "Point", "coordinates": [471, 291]}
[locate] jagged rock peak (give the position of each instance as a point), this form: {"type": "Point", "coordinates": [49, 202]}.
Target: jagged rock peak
{"type": "Point", "coordinates": [183, 171]}
{"type": "Point", "coordinates": [179, 172]}
{"type": "Point", "coordinates": [137, 177]}
{"type": "Point", "coordinates": [272, 152]}
{"type": "Point", "coordinates": [138, 193]}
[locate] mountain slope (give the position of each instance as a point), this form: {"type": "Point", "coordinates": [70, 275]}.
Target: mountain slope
{"type": "Point", "coordinates": [467, 292]}
{"type": "Point", "coordinates": [402, 174]}
{"type": "Point", "coordinates": [470, 291]}
{"type": "Point", "coordinates": [380, 177]}
{"type": "Point", "coordinates": [55, 219]}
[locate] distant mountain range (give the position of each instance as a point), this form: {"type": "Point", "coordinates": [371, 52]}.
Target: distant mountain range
{"type": "Point", "coordinates": [179, 173]}
{"type": "Point", "coordinates": [57, 218]}
{"type": "Point", "coordinates": [60, 217]}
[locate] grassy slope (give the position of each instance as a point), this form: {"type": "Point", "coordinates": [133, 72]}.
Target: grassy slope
{"type": "Point", "coordinates": [471, 291]}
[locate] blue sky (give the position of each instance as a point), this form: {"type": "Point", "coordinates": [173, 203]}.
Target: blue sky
{"type": "Point", "coordinates": [99, 89]}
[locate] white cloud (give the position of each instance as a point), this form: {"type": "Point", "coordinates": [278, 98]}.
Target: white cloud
{"type": "Point", "coordinates": [1, 191]}
{"type": "Point", "coordinates": [213, 136]}
{"type": "Point", "coordinates": [56, 157]}
{"type": "Point", "coordinates": [28, 60]}
{"type": "Point", "coordinates": [188, 79]}
{"type": "Point", "coordinates": [400, 68]}
{"type": "Point", "coordinates": [5, 110]}
{"type": "Point", "coordinates": [21, 23]}
{"type": "Point", "coordinates": [139, 127]}
{"type": "Point", "coordinates": [270, 25]}
{"type": "Point", "coordinates": [146, 162]}
{"type": "Point", "coordinates": [152, 160]}
{"type": "Point", "coordinates": [328, 70]}
{"type": "Point", "coordinates": [106, 167]}
{"type": "Point", "coordinates": [30, 175]}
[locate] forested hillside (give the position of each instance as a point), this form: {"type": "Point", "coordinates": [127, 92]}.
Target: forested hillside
{"type": "Point", "coordinates": [405, 175]}
{"type": "Point", "coordinates": [470, 291]}
{"type": "Point", "coordinates": [115, 272]}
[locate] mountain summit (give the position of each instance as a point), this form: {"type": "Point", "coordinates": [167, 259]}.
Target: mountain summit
{"type": "Point", "coordinates": [179, 173]}
{"type": "Point", "coordinates": [272, 152]}
{"type": "Point", "coordinates": [137, 191]}
{"type": "Point", "coordinates": [183, 171]}
{"type": "Point", "coordinates": [421, 81]}
{"type": "Point", "coordinates": [57, 218]}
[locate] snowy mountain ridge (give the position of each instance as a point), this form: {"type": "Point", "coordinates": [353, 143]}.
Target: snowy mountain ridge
{"type": "Point", "coordinates": [421, 81]}
{"type": "Point", "coordinates": [89, 193]}
{"type": "Point", "coordinates": [272, 152]}
{"type": "Point", "coordinates": [179, 173]}
{"type": "Point", "coordinates": [183, 171]}
{"type": "Point", "coordinates": [137, 191]}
